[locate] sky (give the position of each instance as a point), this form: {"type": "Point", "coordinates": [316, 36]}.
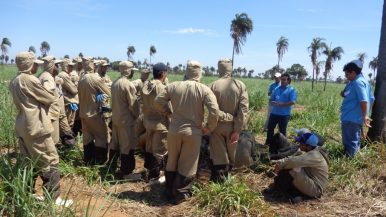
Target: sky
{"type": "Point", "coordinates": [199, 30]}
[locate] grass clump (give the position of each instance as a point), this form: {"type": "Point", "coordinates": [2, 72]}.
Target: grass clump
{"type": "Point", "coordinates": [229, 198]}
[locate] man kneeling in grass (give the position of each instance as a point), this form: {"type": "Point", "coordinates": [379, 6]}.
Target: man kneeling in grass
{"type": "Point", "coordinates": [305, 175]}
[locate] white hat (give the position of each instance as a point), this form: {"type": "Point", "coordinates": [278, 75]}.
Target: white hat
{"type": "Point", "coordinates": [358, 63]}
{"type": "Point", "coordinates": [277, 75]}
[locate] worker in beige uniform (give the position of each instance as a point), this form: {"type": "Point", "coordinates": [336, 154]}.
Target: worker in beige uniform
{"type": "Point", "coordinates": [76, 76]}
{"type": "Point", "coordinates": [139, 127]}
{"type": "Point", "coordinates": [156, 123]}
{"type": "Point", "coordinates": [232, 98]}
{"type": "Point", "coordinates": [188, 99]}
{"type": "Point", "coordinates": [304, 175]}
{"type": "Point", "coordinates": [33, 124]}
{"type": "Point", "coordinates": [47, 79]}
{"type": "Point", "coordinates": [70, 92]}
{"type": "Point", "coordinates": [92, 91]}
{"type": "Point", "coordinates": [125, 110]}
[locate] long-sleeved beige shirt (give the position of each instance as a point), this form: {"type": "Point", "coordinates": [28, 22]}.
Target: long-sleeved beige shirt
{"type": "Point", "coordinates": [232, 98]}
{"type": "Point", "coordinates": [188, 99]}
{"type": "Point", "coordinates": [88, 87]}
{"type": "Point", "coordinates": [70, 90]}
{"type": "Point", "coordinates": [32, 101]}
{"type": "Point", "coordinates": [153, 119]}
{"type": "Point", "coordinates": [125, 108]}
{"type": "Point", "coordinates": [48, 82]}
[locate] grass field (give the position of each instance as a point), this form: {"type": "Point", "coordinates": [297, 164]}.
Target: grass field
{"type": "Point", "coordinates": [357, 186]}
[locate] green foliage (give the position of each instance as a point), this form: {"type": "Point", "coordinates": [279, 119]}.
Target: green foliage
{"type": "Point", "coordinates": [297, 71]}
{"type": "Point", "coordinates": [229, 198]}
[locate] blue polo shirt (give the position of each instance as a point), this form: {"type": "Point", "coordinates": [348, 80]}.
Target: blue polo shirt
{"type": "Point", "coordinates": [283, 94]}
{"type": "Point", "coordinates": [354, 93]}
{"type": "Point", "coordinates": [273, 86]}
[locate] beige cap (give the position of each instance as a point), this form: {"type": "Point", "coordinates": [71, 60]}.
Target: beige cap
{"type": "Point", "coordinates": [125, 67]}
{"type": "Point", "coordinates": [25, 60]}
{"type": "Point", "coordinates": [88, 64]}
{"type": "Point", "coordinates": [277, 75]}
{"type": "Point", "coordinates": [224, 67]}
{"type": "Point", "coordinates": [193, 70]}
{"type": "Point", "coordinates": [49, 63]}
{"type": "Point", "coordinates": [77, 60]}
{"type": "Point", "coordinates": [144, 71]}
{"type": "Point", "coordinates": [104, 63]}
{"type": "Point", "coordinates": [71, 62]}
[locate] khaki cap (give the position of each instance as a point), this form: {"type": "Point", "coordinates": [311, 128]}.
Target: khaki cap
{"type": "Point", "coordinates": [225, 66]}
{"type": "Point", "coordinates": [25, 60]}
{"type": "Point", "coordinates": [193, 70]}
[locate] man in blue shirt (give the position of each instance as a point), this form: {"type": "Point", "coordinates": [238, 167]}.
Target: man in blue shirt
{"type": "Point", "coordinates": [282, 99]}
{"type": "Point", "coordinates": [357, 100]}
{"type": "Point", "coordinates": [270, 90]}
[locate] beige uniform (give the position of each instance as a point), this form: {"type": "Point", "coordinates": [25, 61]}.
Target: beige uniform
{"type": "Point", "coordinates": [140, 127]}
{"type": "Point", "coordinates": [94, 129]}
{"type": "Point", "coordinates": [125, 111]}
{"type": "Point", "coordinates": [48, 82]}
{"type": "Point", "coordinates": [70, 95]}
{"type": "Point", "coordinates": [232, 98]}
{"type": "Point", "coordinates": [188, 99]}
{"type": "Point", "coordinates": [309, 171]}
{"type": "Point", "coordinates": [156, 125]}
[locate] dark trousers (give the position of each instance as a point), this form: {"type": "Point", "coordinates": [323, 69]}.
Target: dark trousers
{"type": "Point", "coordinates": [282, 121]}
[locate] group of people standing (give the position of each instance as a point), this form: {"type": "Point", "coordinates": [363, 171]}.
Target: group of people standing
{"type": "Point", "coordinates": [117, 116]}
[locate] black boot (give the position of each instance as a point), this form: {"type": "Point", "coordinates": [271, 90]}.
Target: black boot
{"type": "Point", "coordinates": [169, 180]}
{"type": "Point", "coordinates": [89, 154]}
{"type": "Point", "coordinates": [68, 139]}
{"type": "Point", "coordinates": [182, 188]}
{"type": "Point", "coordinates": [127, 163]}
{"type": "Point", "coordinates": [219, 173]}
{"type": "Point", "coordinates": [113, 160]}
{"type": "Point", "coordinates": [51, 182]}
{"type": "Point", "coordinates": [100, 155]}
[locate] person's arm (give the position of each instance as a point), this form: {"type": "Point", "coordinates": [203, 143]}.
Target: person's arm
{"type": "Point", "coordinates": [162, 101]}
{"type": "Point", "coordinates": [305, 160]}
{"type": "Point", "coordinates": [68, 85]}
{"type": "Point", "coordinates": [210, 102]}
{"type": "Point", "coordinates": [132, 100]}
{"type": "Point", "coordinates": [41, 94]}
{"type": "Point", "coordinates": [292, 100]}
{"type": "Point", "coordinates": [242, 110]}
{"type": "Point", "coordinates": [363, 98]}
{"type": "Point", "coordinates": [103, 87]}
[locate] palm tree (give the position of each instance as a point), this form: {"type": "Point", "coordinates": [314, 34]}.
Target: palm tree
{"type": "Point", "coordinates": [80, 55]}
{"type": "Point", "coordinates": [130, 52]}
{"type": "Point", "coordinates": [32, 49]}
{"type": "Point", "coordinates": [331, 56]}
{"type": "Point", "coordinates": [282, 47]}
{"type": "Point", "coordinates": [315, 48]}
{"type": "Point", "coordinates": [373, 65]}
{"type": "Point", "coordinates": [44, 48]}
{"type": "Point", "coordinates": [152, 51]}
{"type": "Point", "coordinates": [5, 44]}
{"type": "Point", "coordinates": [241, 26]}
{"type": "Point", "coordinates": [377, 131]}
{"type": "Point", "coordinates": [362, 56]}
{"type": "Point", "coordinates": [318, 68]}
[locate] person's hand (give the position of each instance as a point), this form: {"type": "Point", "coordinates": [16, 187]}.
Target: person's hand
{"type": "Point", "coordinates": [99, 97]}
{"type": "Point", "coordinates": [74, 107]}
{"type": "Point", "coordinates": [205, 131]}
{"type": "Point", "coordinates": [58, 81]}
{"type": "Point", "coordinates": [234, 138]}
{"type": "Point", "coordinates": [274, 103]}
{"type": "Point", "coordinates": [277, 168]}
{"type": "Point", "coordinates": [367, 121]}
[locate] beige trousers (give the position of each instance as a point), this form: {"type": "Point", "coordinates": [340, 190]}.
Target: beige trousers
{"type": "Point", "coordinates": [124, 138]}
{"type": "Point", "coordinates": [94, 130]}
{"type": "Point", "coordinates": [156, 143]}
{"type": "Point", "coordinates": [63, 122]}
{"type": "Point", "coordinates": [55, 134]}
{"type": "Point", "coordinates": [70, 116]}
{"type": "Point", "coordinates": [41, 150]}
{"type": "Point", "coordinates": [222, 152]}
{"type": "Point", "coordinates": [183, 153]}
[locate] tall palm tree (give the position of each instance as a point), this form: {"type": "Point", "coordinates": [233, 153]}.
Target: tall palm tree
{"type": "Point", "coordinates": [5, 44]}
{"type": "Point", "coordinates": [332, 54]}
{"type": "Point", "coordinates": [32, 49]}
{"type": "Point", "coordinates": [130, 52]}
{"type": "Point", "coordinates": [44, 48]}
{"type": "Point", "coordinates": [318, 68]}
{"type": "Point", "coordinates": [281, 48]}
{"type": "Point", "coordinates": [373, 65]}
{"type": "Point", "coordinates": [241, 26]}
{"type": "Point", "coordinates": [315, 48]}
{"type": "Point", "coordinates": [152, 51]}
{"type": "Point", "coordinates": [377, 131]}
{"type": "Point", "coordinates": [362, 56]}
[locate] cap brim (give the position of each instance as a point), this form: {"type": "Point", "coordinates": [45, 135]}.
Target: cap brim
{"type": "Point", "coordinates": [58, 61]}
{"type": "Point", "coordinates": [37, 61]}
{"type": "Point", "coordinates": [134, 69]}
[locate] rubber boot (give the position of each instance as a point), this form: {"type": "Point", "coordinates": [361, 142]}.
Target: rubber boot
{"type": "Point", "coordinates": [89, 154]}
{"type": "Point", "coordinates": [113, 160]}
{"type": "Point", "coordinates": [68, 139]}
{"type": "Point", "coordinates": [51, 182]}
{"type": "Point", "coordinates": [100, 155]}
{"type": "Point", "coordinates": [127, 163]}
{"type": "Point", "coordinates": [182, 187]}
{"type": "Point", "coordinates": [169, 180]}
{"type": "Point", "coordinates": [219, 173]}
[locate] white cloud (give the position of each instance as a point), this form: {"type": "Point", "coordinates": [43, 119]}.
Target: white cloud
{"type": "Point", "coordinates": [191, 30]}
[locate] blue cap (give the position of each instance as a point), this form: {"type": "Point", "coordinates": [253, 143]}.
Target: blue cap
{"type": "Point", "coordinates": [160, 67]}
{"type": "Point", "coordinates": [308, 139]}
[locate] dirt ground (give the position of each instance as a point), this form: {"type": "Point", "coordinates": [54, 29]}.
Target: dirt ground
{"type": "Point", "coordinates": [140, 199]}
